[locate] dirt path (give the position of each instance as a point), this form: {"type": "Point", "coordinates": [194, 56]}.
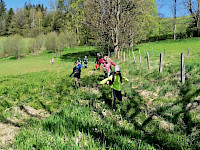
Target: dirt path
{"type": "Point", "coordinates": [7, 134]}
{"type": "Point", "coordinates": [10, 127]}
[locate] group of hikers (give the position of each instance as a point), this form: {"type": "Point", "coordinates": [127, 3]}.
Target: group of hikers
{"type": "Point", "coordinates": [113, 79]}
{"type": "Point", "coordinates": [52, 59]}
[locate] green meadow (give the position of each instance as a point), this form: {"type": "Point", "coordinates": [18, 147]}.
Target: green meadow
{"type": "Point", "coordinates": [157, 112]}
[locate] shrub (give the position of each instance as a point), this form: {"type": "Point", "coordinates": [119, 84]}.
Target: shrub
{"type": "Point", "coordinates": [37, 44]}
{"type": "Point", "coordinates": [16, 45]}
{"type": "Point", "coordinates": [12, 46]}
{"type": "Point", "coordinates": [51, 41]}
{"type": "Point", "coordinates": [66, 40]}
{"type": "Point", "coordinates": [4, 45]}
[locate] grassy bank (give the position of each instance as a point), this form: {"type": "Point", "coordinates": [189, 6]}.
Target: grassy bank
{"type": "Point", "coordinates": [157, 112]}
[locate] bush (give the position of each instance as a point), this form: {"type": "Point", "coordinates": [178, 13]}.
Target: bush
{"type": "Point", "coordinates": [4, 45]}
{"type": "Point", "coordinates": [51, 41]}
{"type": "Point", "coordinates": [12, 46]}
{"type": "Point", "coordinates": [16, 45]}
{"type": "Point", "coordinates": [37, 44]}
{"type": "Point", "coordinates": [71, 40]}
{"type": "Point", "coordinates": [66, 40]}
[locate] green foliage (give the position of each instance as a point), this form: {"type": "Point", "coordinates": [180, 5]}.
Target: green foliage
{"type": "Point", "coordinates": [12, 46]}
{"type": "Point", "coordinates": [157, 111]}
{"type": "Point", "coordinates": [165, 28]}
{"type": "Point", "coordinates": [50, 42]}
{"type": "Point", "coordinates": [8, 19]}
{"type": "Point", "coordinates": [18, 22]}
{"type": "Point", "coordinates": [37, 44]}
{"type": "Point", "coordinates": [66, 40]}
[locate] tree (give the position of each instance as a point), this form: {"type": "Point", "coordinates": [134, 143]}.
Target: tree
{"type": "Point", "coordinates": [2, 17]}
{"type": "Point", "coordinates": [74, 10]}
{"type": "Point", "coordinates": [18, 22]}
{"type": "Point", "coordinates": [194, 10]}
{"type": "Point", "coordinates": [9, 17]}
{"type": "Point", "coordinates": [2, 8]}
{"type": "Point", "coordinates": [175, 8]}
{"type": "Point", "coordinates": [120, 23]}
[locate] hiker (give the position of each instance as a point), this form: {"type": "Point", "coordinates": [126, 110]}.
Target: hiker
{"type": "Point", "coordinates": [52, 61]}
{"type": "Point", "coordinates": [85, 61]}
{"type": "Point", "coordinates": [60, 53]}
{"type": "Point", "coordinates": [55, 55]}
{"type": "Point", "coordinates": [98, 64]}
{"type": "Point", "coordinates": [80, 64]}
{"type": "Point", "coordinates": [116, 84]}
{"type": "Point", "coordinates": [107, 65]}
{"type": "Point", "coordinates": [104, 59]}
{"type": "Point", "coordinates": [77, 75]}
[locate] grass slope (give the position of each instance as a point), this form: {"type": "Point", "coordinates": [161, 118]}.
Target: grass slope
{"type": "Point", "coordinates": [166, 27]}
{"type": "Point", "coordinates": [157, 111]}
{"type": "Point", "coordinates": [40, 63]}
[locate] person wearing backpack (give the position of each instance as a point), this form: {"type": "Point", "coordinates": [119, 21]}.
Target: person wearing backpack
{"type": "Point", "coordinates": [85, 60]}
{"type": "Point", "coordinates": [77, 75]}
{"type": "Point", "coordinates": [115, 83]}
{"type": "Point", "coordinates": [80, 64]}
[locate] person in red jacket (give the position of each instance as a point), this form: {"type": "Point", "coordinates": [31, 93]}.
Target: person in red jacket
{"type": "Point", "coordinates": [98, 64]}
{"type": "Point", "coordinates": [104, 59]}
{"type": "Point", "coordinates": [107, 65]}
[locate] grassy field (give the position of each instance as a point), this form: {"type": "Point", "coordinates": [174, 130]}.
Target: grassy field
{"type": "Point", "coordinates": [166, 28]}
{"type": "Point", "coordinates": [157, 112]}
{"type": "Point", "coordinates": [40, 63]}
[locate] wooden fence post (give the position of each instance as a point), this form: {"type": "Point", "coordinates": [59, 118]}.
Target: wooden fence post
{"type": "Point", "coordinates": [108, 51]}
{"type": "Point", "coordinates": [132, 49]}
{"type": "Point", "coordinates": [124, 57]}
{"type": "Point", "coordinates": [118, 56]}
{"type": "Point", "coordinates": [140, 56]}
{"type": "Point", "coordinates": [148, 62]}
{"type": "Point", "coordinates": [182, 68]}
{"type": "Point", "coordinates": [134, 58]}
{"type": "Point", "coordinates": [121, 55]}
{"type": "Point", "coordinates": [161, 59]}
{"type": "Point", "coordinates": [129, 55]}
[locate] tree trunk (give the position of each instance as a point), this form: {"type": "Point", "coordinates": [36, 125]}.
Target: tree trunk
{"type": "Point", "coordinates": [116, 44]}
{"type": "Point", "coordinates": [198, 20]}
{"type": "Point", "coordinates": [195, 14]}
{"type": "Point", "coordinates": [175, 4]}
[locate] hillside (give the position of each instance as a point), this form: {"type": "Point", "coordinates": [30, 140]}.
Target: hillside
{"type": "Point", "coordinates": [157, 112]}
{"type": "Point", "coordinates": [166, 27]}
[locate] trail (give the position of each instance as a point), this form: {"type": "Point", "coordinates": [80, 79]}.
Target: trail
{"type": "Point", "coordinates": [12, 125]}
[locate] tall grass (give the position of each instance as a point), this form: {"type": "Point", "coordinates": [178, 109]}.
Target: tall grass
{"type": "Point", "coordinates": [157, 112]}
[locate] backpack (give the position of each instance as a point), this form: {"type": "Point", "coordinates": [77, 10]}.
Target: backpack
{"type": "Point", "coordinates": [113, 78]}
{"type": "Point", "coordinates": [76, 71]}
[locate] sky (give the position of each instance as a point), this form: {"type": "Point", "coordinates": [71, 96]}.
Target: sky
{"type": "Point", "coordinates": [20, 3]}
{"type": "Point", "coordinates": [164, 6]}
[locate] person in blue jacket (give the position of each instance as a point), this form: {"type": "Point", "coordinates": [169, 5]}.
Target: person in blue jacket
{"type": "Point", "coordinates": [80, 64]}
